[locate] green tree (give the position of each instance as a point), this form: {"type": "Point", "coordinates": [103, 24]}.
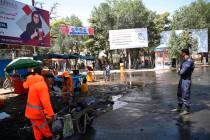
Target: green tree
{"type": "Point", "coordinates": [157, 24]}
{"type": "Point", "coordinates": [182, 41]}
{"type": "Point", "coordinates": [125, 14]}
{"type": "Point", "coordinates": [194, 16]}
{"type": "Point", "coordinates": [119, 14]}
{"type": "Point", "coordinates": [186, 41]}
{"type": "Point", "coordinates": [173, 48]}
{"type": "Point", "coordinates": [73, 21]}
{"type": "Point", "coordinates": [61, 43]}
{"type": "Point", "coordinates": [129, 14]}
{"type": "Point", "coordinates": [102, 20]}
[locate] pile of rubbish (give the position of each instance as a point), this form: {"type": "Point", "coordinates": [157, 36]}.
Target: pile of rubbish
{"type": "Point", "coordinates": [73, 120]}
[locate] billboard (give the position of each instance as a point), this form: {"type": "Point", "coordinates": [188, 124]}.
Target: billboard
{"type": "Point", "coordinates": [128, 38]}
{"type": "Point", "coordinates": [22, 24]}
{"type": "Point", "coordinates": [201, 35]}
{"type": "Point", "coordinates": [73, 30]}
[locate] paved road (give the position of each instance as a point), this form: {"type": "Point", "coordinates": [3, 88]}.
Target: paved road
{"type": "Point", "coordinates": [147, 115]}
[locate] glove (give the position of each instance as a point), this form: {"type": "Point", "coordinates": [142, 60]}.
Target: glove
{"type": "Point", "coordinates": [49, 119]}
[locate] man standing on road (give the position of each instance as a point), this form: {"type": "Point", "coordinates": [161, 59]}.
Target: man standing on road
{"type": "Point", "coordinates": [39, 108]}
{"type": "Point", "coordinates": [185, 72]}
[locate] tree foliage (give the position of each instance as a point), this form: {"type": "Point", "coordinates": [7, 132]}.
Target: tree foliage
{"type": "Point", "coordinates": [185, 40]}
{"type": "Point", "coordinates": [129, 14]}
{"type": "Point", "coordinates": [102, 21]}
{"type": "Point", "coordinates": [173, 47]}
{"type": "Point", "coordinates": [61, 43]}
{"type": "Point", "coordinates": [179, 42]}
{"type": "Point", "coordinates": [124, 14]}
{"type": "Point", "coordinates": [157, 24]}
{"type": "Point", "coordinates": [194, 16]}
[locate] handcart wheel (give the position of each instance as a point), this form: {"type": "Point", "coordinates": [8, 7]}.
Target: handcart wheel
{"type": "Point", "coordinates": [81, 124]}
{"type": "Point", "coordinates": [6, 84]}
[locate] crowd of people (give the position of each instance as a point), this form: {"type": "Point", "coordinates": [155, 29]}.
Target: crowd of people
{"type": "Point", "coordinates": [39, 83]}
{"type": "Point", "coordinates": [39, 108]}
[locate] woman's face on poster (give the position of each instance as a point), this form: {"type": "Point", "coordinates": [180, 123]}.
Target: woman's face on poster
{"type": "Point", "coordinates": [36, 18]}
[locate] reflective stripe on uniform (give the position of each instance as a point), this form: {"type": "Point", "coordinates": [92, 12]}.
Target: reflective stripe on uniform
{"type": "Point", "coordinates": [43, 125]}
{"type": "Point", "coordinates": [34, 106]}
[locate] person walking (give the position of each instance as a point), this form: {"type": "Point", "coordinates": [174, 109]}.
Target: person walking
{"type": "Point", "coordinates": [107, 72]}
{"type": "Point", "coordinates": [39, 109]}
{"type": "Point", "coordinates": [184, 87]}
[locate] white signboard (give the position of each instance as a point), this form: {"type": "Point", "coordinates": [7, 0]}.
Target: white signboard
{"type": "Point", "coordinates": [200, 34]}
{"type": "Point", "coordinates": [128, 38]}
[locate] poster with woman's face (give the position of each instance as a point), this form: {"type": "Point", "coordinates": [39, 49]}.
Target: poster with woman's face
{"type": "Point", "coordinates": [23, 24]}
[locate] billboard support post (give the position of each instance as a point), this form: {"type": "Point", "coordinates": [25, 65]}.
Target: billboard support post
{"type": "Point", "coordinates": [129, 60]}
{"type": "Point", "coordinates": [33, 3]}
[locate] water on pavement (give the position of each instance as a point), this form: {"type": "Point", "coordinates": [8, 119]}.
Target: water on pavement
{"type": "Point", "coordinates": [144, 111]}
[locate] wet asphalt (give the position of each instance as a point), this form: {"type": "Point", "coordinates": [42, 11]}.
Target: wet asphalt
{"type": "Point", "coordinates": [144, 111]}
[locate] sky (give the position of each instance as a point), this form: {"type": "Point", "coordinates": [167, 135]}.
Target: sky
{"type": "Point", "coordinates": [83, 8]}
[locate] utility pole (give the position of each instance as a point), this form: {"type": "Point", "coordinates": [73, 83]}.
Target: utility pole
{"type": "Point", "coordinates": [33, 3]}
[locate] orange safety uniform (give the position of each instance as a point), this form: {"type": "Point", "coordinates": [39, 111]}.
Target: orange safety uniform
{"type": "Point", "coordinates": [84, 88]}
{"type": "Point", "coordinates": [39, 108]}
{"type": "Point", "coordinates": [32, 79]}
{"type": "Point", "coordinates": [68, 85]}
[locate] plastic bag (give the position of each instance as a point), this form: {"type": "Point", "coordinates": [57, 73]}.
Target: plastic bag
{"type": "Point", "coordinates": [68, 129]}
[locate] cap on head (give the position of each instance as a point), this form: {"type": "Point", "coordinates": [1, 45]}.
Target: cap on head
{"type": "Point", "coordinates": [65, 74]}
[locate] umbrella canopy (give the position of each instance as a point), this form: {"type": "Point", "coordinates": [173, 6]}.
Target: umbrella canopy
{"type": "Point", "coordinates": [63, 56]}
{"type": "Point", "coordinates": [22, 63]}
{"type": "Point", "coordinates": [57, 56]}
{"type": "Point", "coordinates": [87, 57]}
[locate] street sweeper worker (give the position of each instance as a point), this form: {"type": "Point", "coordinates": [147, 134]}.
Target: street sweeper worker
{"type": "Point", "coordinates": [67, 83]}
{"type": "Point", "coordinates": [39, 109]}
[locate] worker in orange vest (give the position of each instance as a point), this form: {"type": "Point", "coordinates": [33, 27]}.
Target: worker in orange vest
{"type": "Point", "coordinates": [33, 78]}
{"type": "Point", "coordinates": [39, 109]}
{"type": "Point", "coordinates": [84, 87]}
{"type": "Point", "coordinates": [67, 83]}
